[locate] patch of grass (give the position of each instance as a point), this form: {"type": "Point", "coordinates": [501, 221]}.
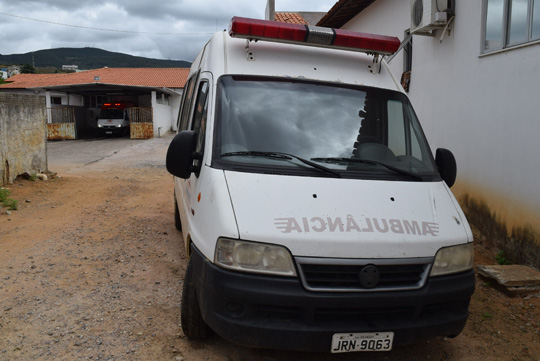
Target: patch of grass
{"type": "Point", "coordinates": [32, 177]}
{"type": "Point", "coordinates": [4, 194]}
{"type": "Point", "coordinates": [501, 258]}
{"type": "Point", "coordinates": [11, 204]}
{"type": "Point", "coordinates": [487, 315]}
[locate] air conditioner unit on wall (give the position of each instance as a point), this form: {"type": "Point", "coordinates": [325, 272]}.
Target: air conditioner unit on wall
{"type": "Point", "coordinates": [429, 15]}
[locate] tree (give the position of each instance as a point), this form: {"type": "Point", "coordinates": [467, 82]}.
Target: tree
{"type": "Point", "coordinates": [27, 69]}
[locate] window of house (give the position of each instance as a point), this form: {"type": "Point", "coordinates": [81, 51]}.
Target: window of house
{"type": "Point", "coordinates": [56, 100]}
{"type": "Point", "coordinates": [163, 99]}
{"type": "Point", "coordinates": [509, 23]}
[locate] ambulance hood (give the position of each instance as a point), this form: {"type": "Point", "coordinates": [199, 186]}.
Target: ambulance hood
{"type": "Point", "coordinates": [346, 218]}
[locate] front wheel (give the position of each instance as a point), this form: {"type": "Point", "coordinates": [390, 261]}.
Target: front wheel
{"type": "Point", "coordinates": [193, 324]}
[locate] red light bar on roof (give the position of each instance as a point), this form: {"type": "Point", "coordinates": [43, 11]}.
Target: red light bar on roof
{"type": "Point", "coordinates": [312, 35]}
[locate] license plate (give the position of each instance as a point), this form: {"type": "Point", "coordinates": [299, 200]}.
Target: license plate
{"type": "Point", "coordinates": [367, 341]}
{"type": "Point", "coordinates": [108, 132]}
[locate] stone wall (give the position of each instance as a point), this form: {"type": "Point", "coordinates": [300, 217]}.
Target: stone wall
{"type": "Point", "coordinates": [23, 136]}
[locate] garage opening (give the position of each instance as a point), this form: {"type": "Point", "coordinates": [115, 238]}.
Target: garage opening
{"type": "Point", "coordinates": [100, 116]}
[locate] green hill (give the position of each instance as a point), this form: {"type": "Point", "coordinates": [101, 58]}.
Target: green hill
{"type": "Point", "coordinates": [87, 58]}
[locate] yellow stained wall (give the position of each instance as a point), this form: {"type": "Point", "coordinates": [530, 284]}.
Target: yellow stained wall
{"type": "Point", "coordinates": [510, 225]}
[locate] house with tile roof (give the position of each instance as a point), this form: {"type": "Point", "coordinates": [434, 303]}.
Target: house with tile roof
{"type": "Point", "coordinates": [472, 70]}
{"type": "Point", "coordinates": [299, 17]}
{"type": "Point", "coordinates": [291, 18]}
{"type": "Point", "coordinates": [73, 100]}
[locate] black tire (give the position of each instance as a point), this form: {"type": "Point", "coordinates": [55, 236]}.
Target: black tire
{"type": "Point", "coordinates": [193, 324]}
{"type": "Point", "coordinates": [177, 221]}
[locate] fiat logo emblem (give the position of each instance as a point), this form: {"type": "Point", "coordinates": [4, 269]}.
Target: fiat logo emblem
{"type": "Point", "coordinates": [369, 276]}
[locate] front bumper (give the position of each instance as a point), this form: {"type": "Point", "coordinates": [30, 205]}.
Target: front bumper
{"type": "Point", "coordinates": [277, 312]}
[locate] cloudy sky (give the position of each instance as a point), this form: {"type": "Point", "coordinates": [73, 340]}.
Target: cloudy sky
{"type": "Point", "coordinates": [162, 29]}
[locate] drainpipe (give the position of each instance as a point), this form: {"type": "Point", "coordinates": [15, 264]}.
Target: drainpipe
{"type": "Point", "coordinates": [48, 106]}
{"type": "Point", "coordinates": [154, 105]}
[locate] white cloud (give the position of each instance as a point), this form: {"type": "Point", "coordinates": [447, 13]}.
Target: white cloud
{"type": "Point", "coordinates": [189, 24]}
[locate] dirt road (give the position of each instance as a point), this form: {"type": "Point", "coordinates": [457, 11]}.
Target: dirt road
{"type": "Point", "coordinates": [91, 268]}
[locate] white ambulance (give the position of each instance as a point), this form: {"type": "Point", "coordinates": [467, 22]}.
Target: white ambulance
{"type": "Point", "coordinates": [313, 212]}
{"type": "Point", "coordinates": [113, 118]}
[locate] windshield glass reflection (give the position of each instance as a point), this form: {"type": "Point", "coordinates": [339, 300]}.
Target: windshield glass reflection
{"type": "Point", "coordinates": [341, 127]}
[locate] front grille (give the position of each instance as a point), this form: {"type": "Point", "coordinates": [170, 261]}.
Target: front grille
{"type": "Point", "coordinates": [344, 275]}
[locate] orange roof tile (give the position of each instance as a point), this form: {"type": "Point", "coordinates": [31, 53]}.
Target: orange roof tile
{"type": "Point", "coordinates": [26, 77]}
{"type": "Point", "coordinates": [145, 77]}
{"type": "Point", "coordinates": [291, 18]}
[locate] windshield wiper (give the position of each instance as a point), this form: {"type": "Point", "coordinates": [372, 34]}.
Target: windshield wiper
{"type": "Point", "coordinates": [369, 161]}
{"type": "Point", "coordinates": [279, 155]}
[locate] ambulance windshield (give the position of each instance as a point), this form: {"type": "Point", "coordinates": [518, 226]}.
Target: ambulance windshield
{"type": "Point", "coordinates": [349, 129]}
{"type": "Point", "coordinates": [111, 114]}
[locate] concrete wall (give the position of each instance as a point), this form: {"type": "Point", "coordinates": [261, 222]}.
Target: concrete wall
{"type": "Point", "coordinates": [482, 107]}
{"type": "Point", "coordinates": [23, 134]}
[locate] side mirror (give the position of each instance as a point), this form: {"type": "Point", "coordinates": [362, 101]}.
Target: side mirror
{"type": "Point", "coordinates": [181, 154]}
{"type": "Point", "coordinates": [447, 165]}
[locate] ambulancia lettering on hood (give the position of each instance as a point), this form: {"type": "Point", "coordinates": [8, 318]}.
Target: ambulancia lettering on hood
{"type": "Point", "coordinates": [345, 218]}
{"type": "Point", "coordinates": [350, 224]}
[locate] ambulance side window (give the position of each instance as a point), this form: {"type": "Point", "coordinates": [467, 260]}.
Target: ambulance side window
{"type": "Point", "coordinates": [183, 115]}
{"type": "Point", "coordinates": [402, 137]}
{"type": "Point", "coordinates": [199, 116]}
{"type": "Point", "coordinates": [396, 127]}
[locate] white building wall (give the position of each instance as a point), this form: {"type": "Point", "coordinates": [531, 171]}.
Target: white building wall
{"type": "Point", "coordinates": [376, 20]}
{"type": "Point", "coordinates": [162, 117]}
{"type": "Point", "coordinates": [484, 108]}
{"type": "Point", "coordinates": [75, 100]}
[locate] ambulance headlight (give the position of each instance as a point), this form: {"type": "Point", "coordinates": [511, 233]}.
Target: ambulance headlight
{"type": "Point", "coordinates": [118, 125]}
{"type": "Point", "coordinates": [100, 125]}
{"type": "Point", "coordinates": [453, 260]}
{"type": "Point", "coordinates": [254, 257]}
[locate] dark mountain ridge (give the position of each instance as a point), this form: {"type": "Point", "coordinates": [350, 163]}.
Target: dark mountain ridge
{"type": "Point", "coordinates": [87, 58]}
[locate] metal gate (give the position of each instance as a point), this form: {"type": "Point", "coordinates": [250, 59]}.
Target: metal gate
{"type": "Point", "coordinates": [62, 123]}
{"type": "Point", "coordinates": [141, 123]}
